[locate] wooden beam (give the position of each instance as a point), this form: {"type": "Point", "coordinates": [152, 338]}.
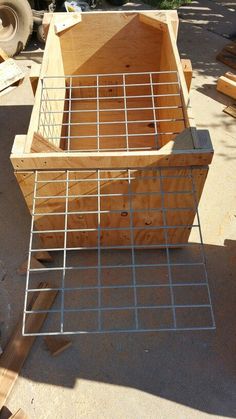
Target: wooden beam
{"type": "Point", "coordinates": [41, 145]}
{"type": "Point", "coordinates": [19, 346]}
{"type": "Point", "coordinates": [34, 263]}
{"type": "Point", "coordinates": [188, 72]}
{"type": "Point", "coordinates": [226, 86]}
{"type": "Point", "coordinates": [104, 160]}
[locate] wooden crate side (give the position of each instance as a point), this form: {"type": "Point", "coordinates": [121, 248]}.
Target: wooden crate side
{"type": "Point", "coordinates": [145, 195]}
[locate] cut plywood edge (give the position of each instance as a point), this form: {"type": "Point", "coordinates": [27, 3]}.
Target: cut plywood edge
{"type": "Point", "coordinates": [67, 22]}
{"type": "Point", "coordinates": [41, 145]}
{"type": "Point", "coordinates": [10, 73]}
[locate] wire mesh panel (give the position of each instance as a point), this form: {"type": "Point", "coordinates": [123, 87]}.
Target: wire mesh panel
{"type": "Point", "coordinates": [117, 264]}
{"type": "Point", "coordinates": [111, 112]}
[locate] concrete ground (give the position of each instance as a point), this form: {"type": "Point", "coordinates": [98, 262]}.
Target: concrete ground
{"type": "Point", "coordinates": [152, 375]}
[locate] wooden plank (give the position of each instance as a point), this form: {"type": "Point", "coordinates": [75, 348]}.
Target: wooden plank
{"type": "Point", "coordinates": [41, 145]}
{"type": "Point", "coordinates": [57, 344]}
{"type": "Point", "coordinates": [20, 414]}
{"type": "Point", "coordinates": [47, 17]}
{"type": "Point", "coordinates": [188, 72]}
{"type": "Point", "coordinates": [230, 110]}
{"type": "Point", "coordinates": [10, 73]}
{"type": "Point", "coordinates": [231, 48]}
{"type": "Point", "coordinates": [19, 346]}
{"type": "Point", "coordinates": [105, 160]}
{"type": "Point", "coordinates": [227, 86]}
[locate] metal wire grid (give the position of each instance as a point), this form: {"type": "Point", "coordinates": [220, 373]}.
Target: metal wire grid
{"type": "Point", "coordinates": [132, 287]}
{"type": "Point", "coordinates": [112, 112]}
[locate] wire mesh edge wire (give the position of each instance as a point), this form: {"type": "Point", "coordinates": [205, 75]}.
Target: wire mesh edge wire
{"type": "Point", "coordinates": [134, 285]}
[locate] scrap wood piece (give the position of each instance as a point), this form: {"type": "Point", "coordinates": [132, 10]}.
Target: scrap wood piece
{"type": "Point", "coordinates": [34, 264]}
{"type": "Point", "coordinates": [226, 86]}
{"type": "Point", "coordinates": [43, 256]}
{"type": "Point", "coordinates": [18, 347]}
{"type": "Point", "coordinates": [230, 110]}
{"type": "Point", "coordinates": [20, 414]}
{"type": "Point", "coordinates": [10, 73]}
{"type": "Point", "coordinates": [41, 145]}
{"type": "Point", "coordinates": [231, 48]}
{"type": "Point", "coordinates": [57, 344]}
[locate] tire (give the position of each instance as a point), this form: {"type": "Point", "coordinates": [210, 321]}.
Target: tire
{"type": "Point", "coordinates": [16, 25]}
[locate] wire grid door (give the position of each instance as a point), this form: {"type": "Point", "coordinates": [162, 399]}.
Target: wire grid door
{"type": "Point", "coordinates": [112, 112]}
{"type": "Point", "coordinates": [117, 266]}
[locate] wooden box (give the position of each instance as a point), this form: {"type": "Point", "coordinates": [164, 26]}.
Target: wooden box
{"type": "Point", "coordinates": [112, 102]}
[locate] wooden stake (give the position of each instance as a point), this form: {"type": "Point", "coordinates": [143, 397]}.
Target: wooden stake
{"type": "Point", "coordinates": [19, 346]}
{"type": "Point", "coordinates": [34, 264]}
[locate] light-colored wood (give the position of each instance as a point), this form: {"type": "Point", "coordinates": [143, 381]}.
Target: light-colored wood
{"type": "Point", "coordinates": [104, 160]}
{"type": "Point", "coordinates": [57, 344]}
{"type": "Point", "coordinates": [227, 86]}
{"type": "Point", "coordinates": [41, 145]}
{"type": "Point", "coordinates": [188, 71]}
{"type": "Point", "coordinates": [10, 73]}
{"type": "Point", "coordinates": [19, 346]}
{"type": "Point", "coordinates": [68, 22]}
{"type": "Point", "coordinates": [20, 414]}
{"type": "Point", "coordinates": [34, 264]}
{"type": "Point", "coordinates": [34, 76]}
{"type": "Point", "coordinates": [19, 144]}
{"type": "Point", "coordinates": [3, 55]}
{"type": "Point", "coordinates": [230, 75]}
